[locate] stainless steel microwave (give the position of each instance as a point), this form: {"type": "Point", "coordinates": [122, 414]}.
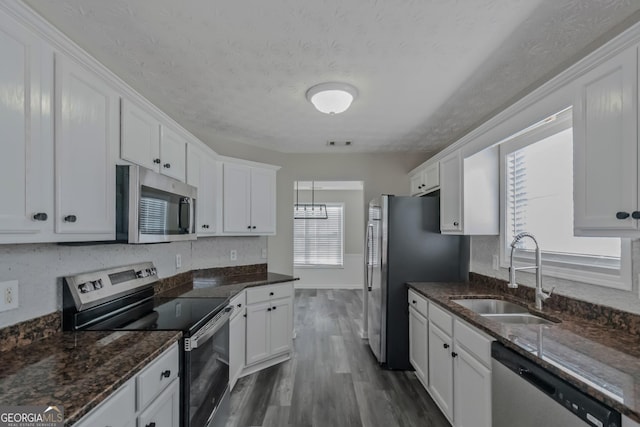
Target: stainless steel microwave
{"type": "Point", "coordinates": [153, 208]}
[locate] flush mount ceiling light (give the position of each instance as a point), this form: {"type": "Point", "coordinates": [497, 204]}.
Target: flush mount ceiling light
{"type": "Point", "coordinates": [332, 98]}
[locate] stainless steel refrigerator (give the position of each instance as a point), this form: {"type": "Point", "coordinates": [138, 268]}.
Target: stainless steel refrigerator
{"type": "Point", "coordinates": [404, 244]}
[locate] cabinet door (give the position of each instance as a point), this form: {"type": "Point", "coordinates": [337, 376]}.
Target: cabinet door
{"type": "Point", "coordinates": [26, 163]}
{"type": "Point", "coordinates": [281, 325]}
{"type": "Point", "coordinates": [236, 193]}
{"type": "Point", "coordinates": [86, 138]}
{"type": "Point", "coordinates": [605, 120]}
{"type": "Point", "coordinates": [263, 201]}
{"type": "Point", "coordinates": [173, 154]}
{"type": "Point", "coordinates": [140, 142]}
{"type": "Point", "coordinates": [237, 345]}
{"type": "Point", "coordinates": [418, 344]}
{"type": "Point", "coordinates": [165, 410]}
{"type": "Point", "coordinates": [416, 183]}
{"type": "Point", "coordinates": [441, 370]}
{"type": "Point", "coordinates": [202, 173]}
{"type": "Point", "coordinates": [432, 176]}
{"type": "Point", "coordinates": [451, 193]}
{"type": "Point", "coordinates": [258, 332]}
{"type": "Point", "coordinates": [118, 410]}
{"type": "Point", "coordinates": [472, 391]}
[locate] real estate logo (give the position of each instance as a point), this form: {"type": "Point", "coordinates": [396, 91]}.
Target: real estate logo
{"type": "Point", "coordinates": [31, 416]}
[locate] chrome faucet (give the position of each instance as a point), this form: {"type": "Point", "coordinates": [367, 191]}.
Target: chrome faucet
{"type": "Point", "coordinates": [541, 296]}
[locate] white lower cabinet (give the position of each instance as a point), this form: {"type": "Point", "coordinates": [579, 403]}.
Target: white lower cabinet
{"type": "Point", "coordinates": [441, 369]}
{"type": "Point", "coordinates": [627, 422]}
{"type": "Point", "coordinates": [269, 325]}
{"type": "Point", "coordinates": [165, 410]}
{"type": "Point", "coordinates": [457, 362]}
{"type": "Point", "coordinates": [152, 398]}
{"type": "Point", "coordinates": [419, 345]}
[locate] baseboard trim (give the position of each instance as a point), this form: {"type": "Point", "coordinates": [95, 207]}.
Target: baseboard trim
{"type": "Point", "coordinates": [327, 286]}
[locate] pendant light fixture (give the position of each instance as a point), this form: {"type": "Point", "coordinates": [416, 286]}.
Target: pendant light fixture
{"type": "Point", "coordinates": [311, 210]}
{"type": "Point", "coordinates": [332, 98]}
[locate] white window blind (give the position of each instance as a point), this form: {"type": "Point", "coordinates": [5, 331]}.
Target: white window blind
{"type": "Point", "coordinates": [538, 198]}
{"type": "Point", "coordinates": [320, 242]}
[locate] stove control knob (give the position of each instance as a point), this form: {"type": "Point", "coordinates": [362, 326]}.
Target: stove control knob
{"type": "Point", "coordinates": [86, 287]}
{"type": "Point", "coordinates": [98, 284]}
{"type": "Point", "coordinates": [141, 274]}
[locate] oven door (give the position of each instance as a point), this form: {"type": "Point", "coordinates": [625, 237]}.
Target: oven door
{"type": "Point", "coordinates": [206, 376]}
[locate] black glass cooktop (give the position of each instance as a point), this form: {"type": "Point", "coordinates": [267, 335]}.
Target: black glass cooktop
{"type": "Point", "coordinates": [166, 314]}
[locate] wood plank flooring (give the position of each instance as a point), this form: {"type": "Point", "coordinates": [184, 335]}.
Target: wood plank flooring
{"type": "Point", "coordinates": [332, 380]}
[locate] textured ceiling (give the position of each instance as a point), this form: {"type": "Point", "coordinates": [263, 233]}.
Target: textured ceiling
{"type": "Point", "coordinates": [428, 71]}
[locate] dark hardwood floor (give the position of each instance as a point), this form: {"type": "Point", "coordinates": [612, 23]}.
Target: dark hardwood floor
{"type": "Point", "coordinates": [332, 380]}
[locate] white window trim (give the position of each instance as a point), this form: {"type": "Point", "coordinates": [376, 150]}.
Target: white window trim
{"type": "Point", "coordinates": [325, 266]}
{"type": "Point", "coordinates": [556, 265]}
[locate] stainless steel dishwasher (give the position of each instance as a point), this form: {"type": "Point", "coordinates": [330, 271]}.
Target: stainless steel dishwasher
{"type": "Point", "coordinates": [526, 395]}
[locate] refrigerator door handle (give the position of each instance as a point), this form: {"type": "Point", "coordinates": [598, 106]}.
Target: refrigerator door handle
{"type": "Point", "coordinates": [369, 273]}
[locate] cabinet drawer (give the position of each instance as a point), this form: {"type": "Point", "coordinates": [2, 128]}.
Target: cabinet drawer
{"type": "Point", "coordinates": [117, 411]}
{"type": "Point", "coordinates": [269, 292]}
{"type": "Point", "coordinates": [157, 376]}
{"type": "Point", "coordinates": [238, 302]}
{"type": "Point", "coordinates": [441, 318]}
{"type": "Point", "coordinates": [418, 302]}
{"type": "Point", "coordinates": [473, 341]}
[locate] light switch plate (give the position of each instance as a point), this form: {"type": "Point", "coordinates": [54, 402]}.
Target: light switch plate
{"type": "Point", "coordinates": [178, 261]}
{"type": "Point", "coordinates": [233, 254]}
{"type": "Point", "coordinates": [264, 253]}
{"type": "Point", "coordinates": [496, 262]}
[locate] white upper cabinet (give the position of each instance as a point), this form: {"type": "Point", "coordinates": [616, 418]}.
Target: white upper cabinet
{"type": "Point", "coordinates": [451, 197]}
{"type": "Point", "coordinates": [150, 144]}
{"type": "Point", "coordinates": [469, 193]}
{"type": "Point", "coordinates": [425, 180]}
{"type": "Point", "coordinates": [605, 120]}
{"type": "Point", "coordinates": [249, 199]}
{"type": "Point", "coordinates": [26, 163]}
{"type": "Point", "coordinates": [140, 142]}
{"type": "Point", "coordinates": [172, 154]}
{"type": "Point", "coordinates": [86, 139]}
{"type": "Point", "coordinates": [202, 173]}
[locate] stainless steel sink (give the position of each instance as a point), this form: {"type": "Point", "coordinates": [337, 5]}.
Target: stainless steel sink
{"type": "Point", "coordinates": [524, 318]}
{"type": "Point", "coordinates": [491, 306]}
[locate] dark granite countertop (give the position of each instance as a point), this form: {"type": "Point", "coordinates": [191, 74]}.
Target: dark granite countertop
{"type": "Point", "coordinates": [204, 285]}
{"type": "Point", "coordinates": [601, 361]}
{"type": "Point", "coordinates": [77, 370]}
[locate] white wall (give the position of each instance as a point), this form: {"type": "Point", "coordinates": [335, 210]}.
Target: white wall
{"type": "Point", "coordinates": [351, 275]}
{"type": "Point", "coordinates": [39, 268]}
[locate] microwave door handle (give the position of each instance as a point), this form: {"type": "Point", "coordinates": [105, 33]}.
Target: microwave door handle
{"type": "Point", "coordinates": [184, 202]}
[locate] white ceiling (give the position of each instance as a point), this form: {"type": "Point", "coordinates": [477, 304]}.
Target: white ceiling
{"type": "Point", "coordinates": [427, 71]}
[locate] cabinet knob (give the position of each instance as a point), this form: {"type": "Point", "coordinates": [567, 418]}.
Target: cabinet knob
{"type": "Point", "coordinates": [244, 315]}
{"type": "Point", "coordinates": [40, 216]}
{"type": "Point", "coordinates": [456, 223]}
{"type": "Point", "coordinates": [165, 374]}
{"type": "Point", "coordinates": [254, 227]}
{"type": "Point", "coordinates": [156, 161]}
{"type": "Point", "coordinates": [151, 425]}
{"type": "Point", "coordinates": [454, 354]}
{"type": "Point", "coordinates": [445, 345]}
{"type": "Point", "coordinates": [70, 218]}
{"type": "Point", "coordinates": [268, 309]}
{"type": "Point", "coordinates": [249, 227]}
{"type": "Point", "coordinates": [271, 294]}
{"type": "Point", "coordinates": [414, 301]}
{"type": "Point", "coordinates": [167, 165]}
{"type": "Point", "coordinates": [205, 226]}
{"type": "Point", "coordinates": [273, 308]}
{"type": "Point", "coordinates": [635, 215]}
{"type": "Point", "coordinates": [622, 215]}
{"type": "Point", "coordinates": [239, 305]}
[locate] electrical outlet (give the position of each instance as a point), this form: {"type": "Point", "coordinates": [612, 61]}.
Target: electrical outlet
{"type": "Point", "coordinates": [496, 262]}
{"type": "Point", "coordinates": [264, 253]}
{"type": "Point", "coordinates": [178, 261]}
{"type": "Point", "coordinates": [9, 292]}
{"type": "Point", "coordinates": [233, 254]}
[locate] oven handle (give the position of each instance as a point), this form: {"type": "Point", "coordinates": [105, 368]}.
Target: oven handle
{"type": "Point", "coordinates": [208, 330]}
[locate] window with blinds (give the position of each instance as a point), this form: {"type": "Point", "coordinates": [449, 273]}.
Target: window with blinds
{"type": "Point", "coordinates": [537, 168]}
{"type": "Point", "coordinates": [320, 242]}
